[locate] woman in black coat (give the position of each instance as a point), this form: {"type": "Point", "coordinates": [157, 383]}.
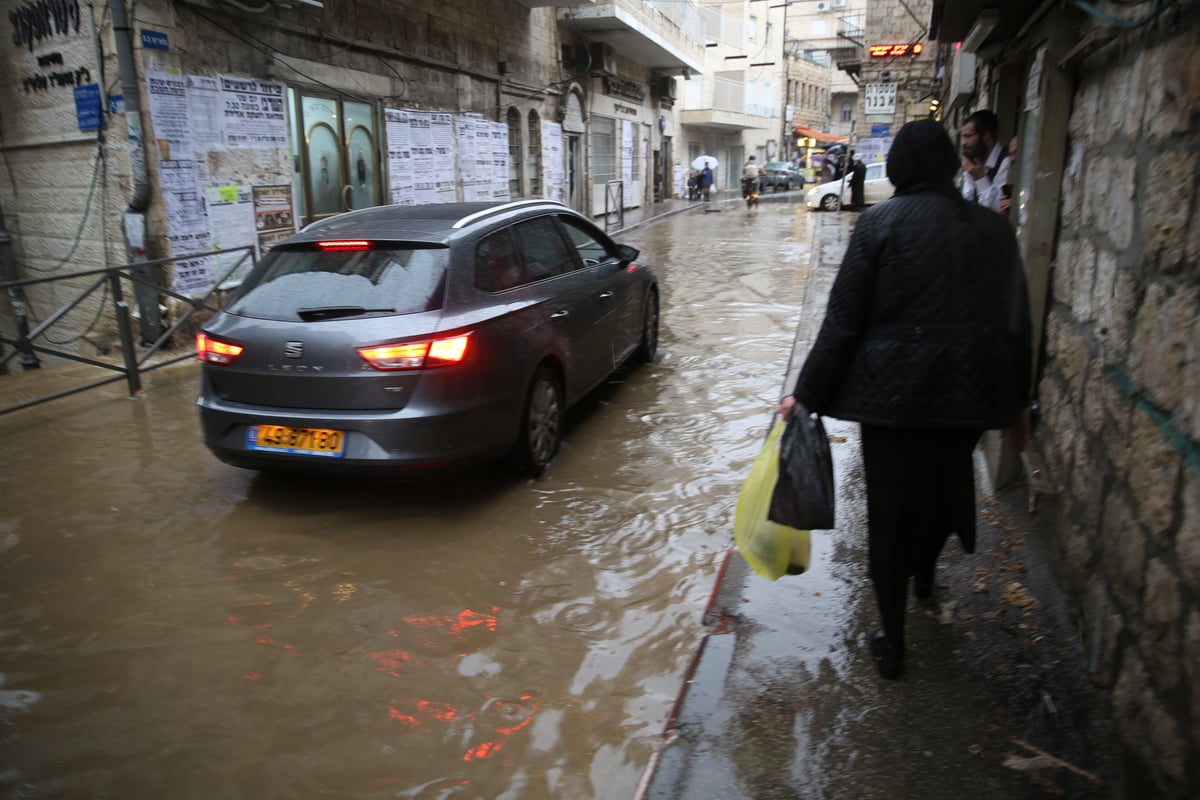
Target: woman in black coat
{"type": "Point", "coordinates": [925, 343]}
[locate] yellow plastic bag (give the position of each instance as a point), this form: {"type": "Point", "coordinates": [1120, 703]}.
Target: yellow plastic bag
{"type": "Point", "coordinates": [769, 548]}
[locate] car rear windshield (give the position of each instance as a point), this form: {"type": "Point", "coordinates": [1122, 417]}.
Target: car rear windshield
{"type": "Point", "coordinates": [312, 283]}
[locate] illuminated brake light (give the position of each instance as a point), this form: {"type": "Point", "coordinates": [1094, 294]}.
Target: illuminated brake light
{"type": "Point", "coordinates": [214, 351]}
{"type": "Point", "coordinates": [631, 268]}
{"type": "Point", "coordinates": [417, 355]}
{"type": "Point", "coordinates": [349, 244]}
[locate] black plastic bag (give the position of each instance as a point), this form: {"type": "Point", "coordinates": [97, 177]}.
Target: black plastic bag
{"type": "Point", "coordinates": [803, 495]}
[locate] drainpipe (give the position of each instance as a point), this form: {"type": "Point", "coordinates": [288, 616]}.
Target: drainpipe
{"type": "Point", "coordinates": [16, 296]}
{"type": "Point", "coordinates": [135, 215]}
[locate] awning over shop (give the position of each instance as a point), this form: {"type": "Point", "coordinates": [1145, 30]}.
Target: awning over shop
{"type": "Point", "coordinates": [823, 138]}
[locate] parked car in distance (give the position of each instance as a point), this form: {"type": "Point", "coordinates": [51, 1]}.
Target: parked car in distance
{"type": "Point", "coordinates": [827, 197]}
{"type": "Point", "coordinates": [780, 176]}
{"type": "Point", "coordinates": [421, 336]}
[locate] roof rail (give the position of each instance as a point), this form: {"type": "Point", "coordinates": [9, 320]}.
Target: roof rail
{"type": "Point", "coordinates": [487, 212]}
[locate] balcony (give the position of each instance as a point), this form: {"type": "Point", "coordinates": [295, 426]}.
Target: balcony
{"type": "Point", "coordinates": [732, 107]}
{"type": "Point", "coordinates": [848, 55]}
{"type": "Point", "coordinates": [667, 37]}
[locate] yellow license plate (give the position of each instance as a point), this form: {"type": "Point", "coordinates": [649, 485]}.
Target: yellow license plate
{"type": "Point", "coordinates": [297, 441]}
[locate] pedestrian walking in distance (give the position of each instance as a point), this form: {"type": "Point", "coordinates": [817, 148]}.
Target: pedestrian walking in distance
{"type": "Point", "coordinates": [858, 176]}
{"type": "Point", "coordinates": [926, 343]}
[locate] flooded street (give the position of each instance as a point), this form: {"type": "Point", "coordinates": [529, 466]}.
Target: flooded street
{"type": "Point", "coordinates": [171, 626]}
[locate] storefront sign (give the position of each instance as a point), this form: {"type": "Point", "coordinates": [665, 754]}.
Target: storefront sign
{"type": "Point", "coordinates": [40, 83]}
{"type": "Point", "coordinates": [880, 98]}
{"type": "Point", "coordinates": [619, 87]}
{"type": "Point", "coordinates": [35, 21]}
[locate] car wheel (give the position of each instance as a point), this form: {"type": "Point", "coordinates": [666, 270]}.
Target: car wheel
{"type": "Point", "coordinates": [830, 202]}
{"type": "Point", "coordinates": [648, 347]}
{"type": "Point", "coordinates": [541, 424]}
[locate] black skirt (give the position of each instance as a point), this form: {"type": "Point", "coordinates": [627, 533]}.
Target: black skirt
{"type": "Point", "coordinates": [920, 489]}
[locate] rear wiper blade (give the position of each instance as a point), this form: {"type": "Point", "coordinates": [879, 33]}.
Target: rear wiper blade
{"type": "Point", "coordinates": [332, 312]}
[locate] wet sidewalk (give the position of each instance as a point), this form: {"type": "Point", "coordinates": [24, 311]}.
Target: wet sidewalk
{"type": "Point", "coordinates": [783, 699]}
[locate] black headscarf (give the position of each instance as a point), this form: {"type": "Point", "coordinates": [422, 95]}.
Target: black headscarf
{"type": "Point", "coordinates": [922, 158]}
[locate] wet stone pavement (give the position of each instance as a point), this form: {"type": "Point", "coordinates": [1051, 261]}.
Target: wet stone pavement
{"type": "Point", "coordinates": [783, 700]}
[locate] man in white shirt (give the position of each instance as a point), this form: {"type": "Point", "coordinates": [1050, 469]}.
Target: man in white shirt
{"type": "Point", "coordinates": [984, 162]}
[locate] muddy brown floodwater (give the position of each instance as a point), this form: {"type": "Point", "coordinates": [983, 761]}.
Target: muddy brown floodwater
{"type": "Point", "coordinates": [174, 627]}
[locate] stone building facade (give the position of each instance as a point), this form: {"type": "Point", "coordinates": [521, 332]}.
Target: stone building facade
{"type": "Point", "coordinates": [898, 73]}
{"type": "Point", "coordinates": [163, 129]}
{"type": "Point", "coordinates": [1106, 103]}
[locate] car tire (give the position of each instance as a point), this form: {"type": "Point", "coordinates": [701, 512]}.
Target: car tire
{"type": "Point", "coordinates": [541, 424]}
{"type": "Point", "coordinates": [648, 346]}
{"type": "Point", "coordinates": [830, 202]}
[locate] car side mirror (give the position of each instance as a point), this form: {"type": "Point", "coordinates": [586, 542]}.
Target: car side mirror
{"type": "Point", "coordinates": [627, 254]}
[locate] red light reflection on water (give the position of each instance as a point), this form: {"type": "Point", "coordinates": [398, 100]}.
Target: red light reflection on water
{"type": "Point", "coordinates": [425, 713]}
{"type": "Point", "coordinates": [457, 625]}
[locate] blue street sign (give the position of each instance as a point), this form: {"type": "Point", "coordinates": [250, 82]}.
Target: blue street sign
{"type": "Point", "coordinates": [880, 131]}
{"type": "Point", "coordinates": [154, 40]}
{"type": "Point", "coordinates": [87, 107]}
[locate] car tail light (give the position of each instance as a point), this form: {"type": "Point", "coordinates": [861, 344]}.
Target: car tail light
{"type": "Point", "coordinates": [215, 351]}
{"type": "Point", "coordinates": [417, 355]}
{"type": "Point", "coordinates": [344, 245]}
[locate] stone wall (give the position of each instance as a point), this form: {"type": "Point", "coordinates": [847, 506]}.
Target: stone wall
{"type": "Point", "coordinates": [1121, 389]}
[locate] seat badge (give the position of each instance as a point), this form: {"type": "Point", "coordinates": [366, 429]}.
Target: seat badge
{"type": "Point", "coordinates": [293, 349]}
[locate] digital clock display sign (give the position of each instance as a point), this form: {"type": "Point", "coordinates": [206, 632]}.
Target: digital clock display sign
{"type": "Point", "coordinates": [886, 50]}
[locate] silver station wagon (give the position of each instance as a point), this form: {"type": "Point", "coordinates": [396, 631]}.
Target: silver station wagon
{"type": "Point", "coordinates": [422, 337]}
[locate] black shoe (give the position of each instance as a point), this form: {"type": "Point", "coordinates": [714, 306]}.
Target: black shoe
{"type": "Point", "coordinates": [888, 657]}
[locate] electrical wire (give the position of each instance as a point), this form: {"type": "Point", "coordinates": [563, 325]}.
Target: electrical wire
{"type": "Point", "coordinates": [267, 49]}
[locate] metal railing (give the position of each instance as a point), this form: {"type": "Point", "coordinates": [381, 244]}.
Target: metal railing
{"type": "Point", "coordinates": [132, 363]}
{"type": "Point", "coordinates": [614, 203]}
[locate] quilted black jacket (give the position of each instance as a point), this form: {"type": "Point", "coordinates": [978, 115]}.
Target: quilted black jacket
{"type": "Point", "coordinates": [927, 322]}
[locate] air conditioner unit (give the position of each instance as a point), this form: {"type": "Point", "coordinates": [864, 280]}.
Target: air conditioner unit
{"type": "Point", "coordinates": [604, 58]}
{"type": "Point", "coordinates": [824, 5]}
{"type": "Point", "coordinates": [664, 87]}
{"type": "Point", "coordinates": [839, 3]}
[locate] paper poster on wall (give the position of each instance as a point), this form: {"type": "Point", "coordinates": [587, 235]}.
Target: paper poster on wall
{"type": "Point", "coordinates": [193, 276]}
{"type": "Point", "coordinates": [187, 225]}
{"type": "Point", "coordinates": [231, 219]}
{"type": "Point", "coordinates": [874, 149]}
{"type": "Point", "coordinates": [466, 142]}
{"type": "Point", "coordinates": [166, 94]}
{"type": "Point", "coordinates": [399, 151]}
{"type": "Point", "coordinates": [420, 125]}
{"type": "Point", "coordinates": [273, 213]}
{"type": "Point", "coordinates": [498, 133]}
{"type": "Point", "coordinates": [553, 184]}
{"type": "Point", "coordinates": [441, 129]}
{"type": "Point", "coordinates": [484, 163]}
{"type": "Point", "coordinates": [254, 112]}
{"type": "Point", "coordinates": [204, 113]}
